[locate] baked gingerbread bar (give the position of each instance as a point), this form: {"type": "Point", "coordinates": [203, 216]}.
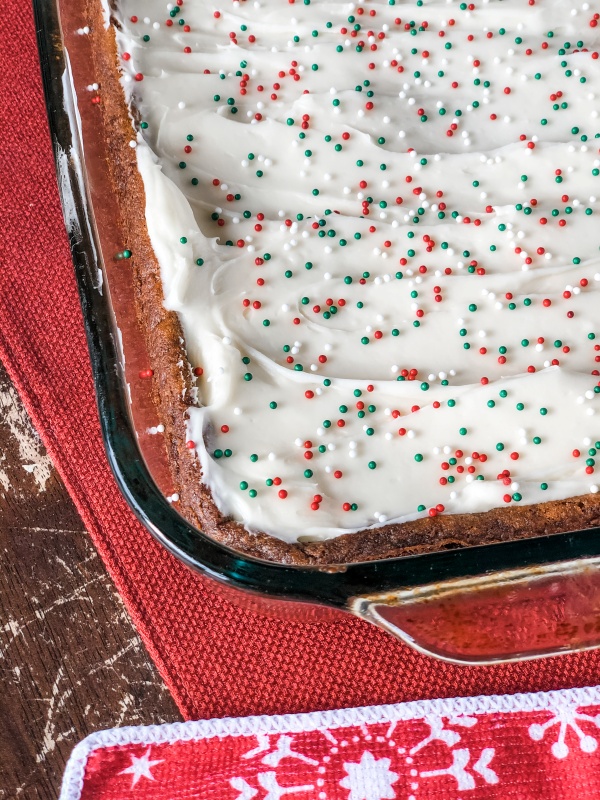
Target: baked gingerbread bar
{"type": "Point", "coordinates": [366, 265]}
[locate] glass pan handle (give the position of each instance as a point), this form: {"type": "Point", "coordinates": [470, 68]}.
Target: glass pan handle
{"type": "Point", "coordinates": [503, 617]}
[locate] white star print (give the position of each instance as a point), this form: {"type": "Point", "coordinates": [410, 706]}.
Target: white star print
{"type": "Point", "coordinates": [140, 767]}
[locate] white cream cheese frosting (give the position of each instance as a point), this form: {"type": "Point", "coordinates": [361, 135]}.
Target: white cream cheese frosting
{"type": "Point", "coordinates": [378, 224]}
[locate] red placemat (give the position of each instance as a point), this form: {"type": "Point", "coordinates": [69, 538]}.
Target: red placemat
{"type": "Point", "coordinates": [216, 659]}
{"type": "Point", "coordinates": [479, 748]}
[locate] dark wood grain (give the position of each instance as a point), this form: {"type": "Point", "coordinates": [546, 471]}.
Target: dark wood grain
{"type": "Point", "coordinates": [70, 660]}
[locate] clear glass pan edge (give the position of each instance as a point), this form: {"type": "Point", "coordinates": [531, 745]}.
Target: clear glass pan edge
{"type": "Point", "coordinates": [350, 586]}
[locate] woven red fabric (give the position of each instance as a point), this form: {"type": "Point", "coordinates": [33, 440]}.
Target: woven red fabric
{"type": "Point", "coordinates": [216, 659]}
{"type": "Point", "coordinates": [483, 748]}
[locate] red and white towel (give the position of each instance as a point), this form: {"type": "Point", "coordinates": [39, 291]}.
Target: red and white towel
{"type": "Point", "coordinates": [527, 746]}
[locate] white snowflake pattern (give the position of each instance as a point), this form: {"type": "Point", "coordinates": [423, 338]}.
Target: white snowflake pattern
{"type": "Point", "coordinates": [370, 779]}
{"type": "Point", "coordinates": [263, 746]}
{"type": "Point", "coordinates": [246, 792]}
{"type": "Point", "coordinates": [141, 767]}
{"type": "Point", "coordinates": [268, 781]}
{"type": "Point", "coordinates": [283, 749]}
{"type": "Point", "coordinates": [439, 733]}
{"type": "Point", "coordinates": [566, 716]}
{"type": "Point", "coordinates": [460, 759]}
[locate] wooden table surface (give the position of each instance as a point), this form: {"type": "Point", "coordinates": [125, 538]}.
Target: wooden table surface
{"type": "Point", "coordinates": [71, 661]}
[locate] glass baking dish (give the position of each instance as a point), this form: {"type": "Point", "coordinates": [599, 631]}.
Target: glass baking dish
{"type": "Point", "coordinates": [502, 602]}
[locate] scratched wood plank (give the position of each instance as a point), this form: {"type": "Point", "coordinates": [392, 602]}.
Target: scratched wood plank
{"type": "Point", "coordinates": [70, 660]}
